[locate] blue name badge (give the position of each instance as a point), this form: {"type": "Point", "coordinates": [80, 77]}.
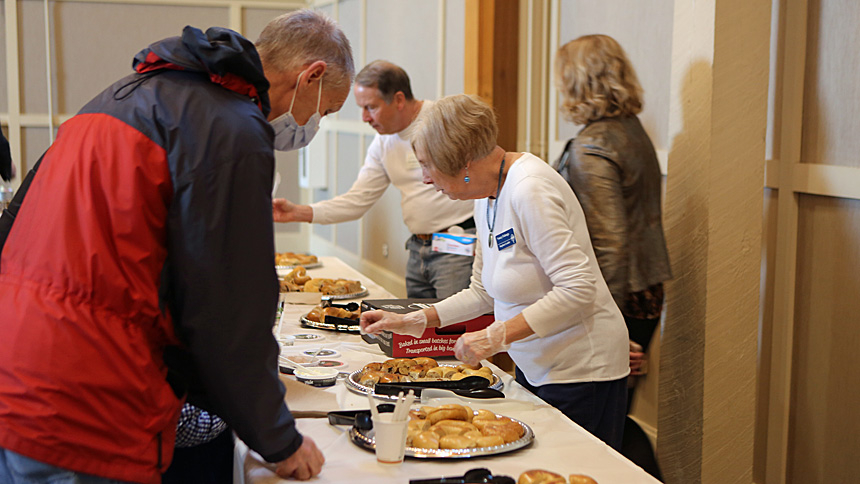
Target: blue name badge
{"type": "Point", "coordinates": [506, 239]}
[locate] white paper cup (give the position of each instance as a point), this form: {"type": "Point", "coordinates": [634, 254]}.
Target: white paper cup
{"type": "Point", "coordinates": [390, 439]}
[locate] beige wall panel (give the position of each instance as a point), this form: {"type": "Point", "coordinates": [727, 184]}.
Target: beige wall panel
{"type": "Point", "coordinates": [94, 44]}
{"type": "Point", "coordinates": [825, 429]}
{"type": "Point", "coordinates": [644, 30]}
{"type": "Point", "coordinates": [34, 142]}
{"type": "Point", "coordinates": [255, 19]}
{"type": "Point", "coordinates": [831, 104]}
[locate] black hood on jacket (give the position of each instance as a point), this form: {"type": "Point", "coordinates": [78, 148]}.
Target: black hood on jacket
{"type": "Point", "coordinates": [228, 58]}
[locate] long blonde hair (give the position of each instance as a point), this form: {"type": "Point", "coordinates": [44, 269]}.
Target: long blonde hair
{"type": "Point", "coordinates": [596, 80]}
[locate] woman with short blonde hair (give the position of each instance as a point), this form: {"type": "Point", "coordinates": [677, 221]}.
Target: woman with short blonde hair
{"type": "Point", "coordinates": [596, 80]}
{"type": "Point", "coordinates": [457, 130]}
{"type": "Point", "coordinates": [534, 270]}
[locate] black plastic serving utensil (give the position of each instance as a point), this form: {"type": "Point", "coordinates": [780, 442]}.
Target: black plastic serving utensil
{"type": "Point", "coordinates": [359, 419]}
{"type": "Point", "coordinates": [468, 383]}
{"type": "Point", "coordinates": [394, 389]}
{"type": "Point", "coordinates": [473, 476]}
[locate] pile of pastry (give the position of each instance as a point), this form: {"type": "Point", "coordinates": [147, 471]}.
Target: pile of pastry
{"type": "Point", "coordinates": [319, 313]}
{"type": "Point", "coordinates": [456, 426]}
{"type": "Point", "coordinates": [540, 476]}
{"type": "Point", "coordinates": [418, 369]}
{"type": "Point", "coordinates": [293, 259]}
{"type": "Point", "coordinates": [298, 280]}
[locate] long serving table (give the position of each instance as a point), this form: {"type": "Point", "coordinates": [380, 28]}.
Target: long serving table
{"type": "Point", "coordinates": [560, 445]}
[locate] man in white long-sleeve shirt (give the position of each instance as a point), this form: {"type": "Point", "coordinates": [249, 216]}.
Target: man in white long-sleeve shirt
{"type": "Point", "coordinates": [383, 92]}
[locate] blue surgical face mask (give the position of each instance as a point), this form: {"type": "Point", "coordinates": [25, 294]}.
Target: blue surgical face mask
{"type": "Point", "coordinates": [288, 134]}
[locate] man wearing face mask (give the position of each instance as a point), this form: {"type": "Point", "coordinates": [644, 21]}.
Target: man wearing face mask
{"type": "Point", "coordinates": [383, 92]}
{"type": "Point", "coordinates": [136, 270]}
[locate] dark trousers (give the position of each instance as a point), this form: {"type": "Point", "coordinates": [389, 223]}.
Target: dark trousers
{"type": "Point", "coordinates": [635, 445]}
{"type": "Point", "coordinates": [209, 463]}
{"type": "Point", "coordinates": [598, 407]}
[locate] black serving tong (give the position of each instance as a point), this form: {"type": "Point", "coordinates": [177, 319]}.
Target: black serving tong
{"type": "Point", "coordinates": [472, 476]}
{"type": "Point", "coordinates": [359, 419]}
{"type": "Point", "coordinates": [467, 383]}
{"type": "Point", "coordinates": [397, 388]}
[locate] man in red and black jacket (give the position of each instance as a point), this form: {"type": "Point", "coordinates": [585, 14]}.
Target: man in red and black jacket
{"type": "Point", "coordinates": [137, 257]}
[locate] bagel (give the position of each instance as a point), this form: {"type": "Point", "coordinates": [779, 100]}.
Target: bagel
{"type": "Point", "coordinates": [375, 366]}
{"type": "Point", "coordinates": [426, 440]}
{"type": "Point", "coordinates": [509, 430]}
{"type": "Point", "coordinates": [315, 285]}
{"type": "Point", "coordinates": [447, 412]}
{"type": "Point", "coordinates": [540, 476]}
{"type": "Point", "coordinates": [456, 442]}
{"type": "Point", "coordinates": [314, 315]}
{"type": "Point", "coordinates": [580, 479]}
{"type": "Point", "coordinates": [484, 414]}
{"type": "Point", "coordinates": [389, 378]}
{"type": "Point", "coordinates": [436, 372]}
{"type": "Point", "coordinates": [428, 362]}
{"type": "Point", "coordinates": [370, 378]}
{"type": "Point", "coordinates": [489, 440]}
{"type": "Point", "coordinates": [418, 424]}
{"type": "Point", "coordinates": [465, 366]}
{"type": "Point", "coordinates": [452, 427]}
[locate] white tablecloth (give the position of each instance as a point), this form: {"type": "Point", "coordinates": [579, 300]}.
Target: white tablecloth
{"type": "Point", "coordinates": [560, 445]}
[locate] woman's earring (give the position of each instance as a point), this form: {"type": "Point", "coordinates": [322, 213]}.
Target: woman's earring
{"type": "Point", "coordinates": [467, 179]}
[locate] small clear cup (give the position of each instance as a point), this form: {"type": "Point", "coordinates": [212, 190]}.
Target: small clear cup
{"type": "Point", "coordinates": [390, 437]}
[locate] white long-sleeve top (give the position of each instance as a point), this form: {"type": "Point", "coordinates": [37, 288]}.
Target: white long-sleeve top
{"type": "Point", "coordinates": [390, 160]}
{"type": "Point", "coordinates": [550, 275]}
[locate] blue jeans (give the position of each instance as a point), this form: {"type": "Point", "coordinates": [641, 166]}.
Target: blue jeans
{"type": "Point", "coordinates": [598, 407]}
{"type": "Point", "coordinates": [435, 274]}
{"type": "Point", "coordinates": [17, 469]}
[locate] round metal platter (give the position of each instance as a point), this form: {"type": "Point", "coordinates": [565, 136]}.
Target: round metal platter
{"type": "Point", "coordinates": [284, 270]}
{"type": "Point", "coordinates": [354, 295]}
{"type": "Point", "coordinates": [365, 439]}
{"type": "Point", "coordinates": [341, 328]}
{"type": "Point", "coordinates": [353, 384]}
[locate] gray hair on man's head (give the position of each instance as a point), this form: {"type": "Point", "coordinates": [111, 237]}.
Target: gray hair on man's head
{"type": "Point", "coordinates": [298, 38]}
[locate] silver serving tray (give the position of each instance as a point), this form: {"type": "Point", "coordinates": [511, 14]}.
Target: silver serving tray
{"type": "Point", "coordinates": [335, 297]}
{"type": "Point", "coordinates": [365, 439]}
{"type": "Point", "coordinates": [356, 387]}
{"type": "Point", "coordinates": [354, 295]}
{"type": "Point", "coordinates": [287, 269]}
{"type": "Point", "coordinates": [340, 328]}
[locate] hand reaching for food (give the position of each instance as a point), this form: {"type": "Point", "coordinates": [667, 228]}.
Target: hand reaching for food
{"type": "Point", "coordinates": [413, 324]}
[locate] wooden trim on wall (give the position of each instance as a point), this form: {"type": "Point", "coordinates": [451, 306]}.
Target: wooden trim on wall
{"type": "Point", "coordinates": [779, 395]}
{"type": "Point", "coordinates": [492, 59]}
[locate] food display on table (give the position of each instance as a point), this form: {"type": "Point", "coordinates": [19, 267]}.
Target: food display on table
{"type": "Point", "coordinates": [298, 280]}
{"type": "Point", "coordinates": [418, 369]}
{"type": "Point", "coordinates": [422, 371]}
{"type": "Point", "coordinates": [289, 259]}
{"type": "Point", "coordinates": [333, 317]}
{"type": "Point", "coordinates": [457, 426]}
{"type": "Point", "coordinates": [456, 431]}
{"type": "Point", "coordinates": [319, 313]}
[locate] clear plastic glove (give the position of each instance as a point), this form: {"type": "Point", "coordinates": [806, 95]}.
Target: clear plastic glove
{"type": "Point", "coordinates": [412, 324]}
{"type": "Point", "coordinates": [304, 464]}
{"type": "Point", "coordinates": [477, 345]}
